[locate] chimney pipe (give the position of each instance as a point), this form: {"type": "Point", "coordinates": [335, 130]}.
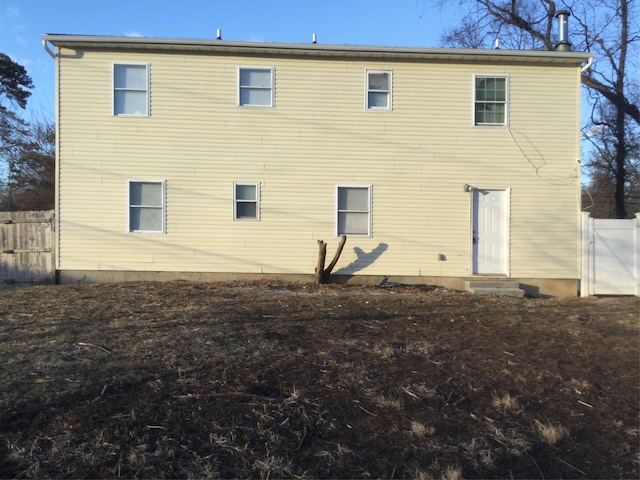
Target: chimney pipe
{"type": "Point", "coordinates": [563, 44]}
{"type": "Point", "coordinates": [218, 34]}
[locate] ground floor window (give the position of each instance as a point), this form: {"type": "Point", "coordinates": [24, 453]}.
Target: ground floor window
{"type": "Point", "coordinates": [147, 206]}
{"type": "Point", "coordinates": [353, 210]}
{"type": "Point", "coordinates": [246, 201]}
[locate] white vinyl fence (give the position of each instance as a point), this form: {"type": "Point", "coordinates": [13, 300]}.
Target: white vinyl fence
{"type": "Point", "coordinates": [610, 256]}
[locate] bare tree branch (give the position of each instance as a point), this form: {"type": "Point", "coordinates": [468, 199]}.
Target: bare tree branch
{"type": "Point", "coordinates": [607, 28]}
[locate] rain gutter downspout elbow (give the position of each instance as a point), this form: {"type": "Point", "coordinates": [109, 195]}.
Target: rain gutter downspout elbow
{"type": "Point", "coordinates": [46, 47]}
{"type": "Point", "coordinates": [587, 66]}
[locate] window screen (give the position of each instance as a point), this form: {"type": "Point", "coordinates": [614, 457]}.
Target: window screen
{"type": "Point", "coordinates": [146, 206]}
{"type": "Point", "coordinates": [354, 209]}
{"type": "Point", "coordinates": [130, 95]}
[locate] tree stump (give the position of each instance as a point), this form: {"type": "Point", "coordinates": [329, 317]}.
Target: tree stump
{"type": "Point", "coordinates": [324, 274]}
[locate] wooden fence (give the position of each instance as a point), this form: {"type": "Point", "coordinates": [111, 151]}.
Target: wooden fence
{"type": "Point", "coordinates": [26, 247]}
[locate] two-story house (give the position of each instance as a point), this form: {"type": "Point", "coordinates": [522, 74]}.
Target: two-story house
{"type": "Point", "coordinates": [214, 159]}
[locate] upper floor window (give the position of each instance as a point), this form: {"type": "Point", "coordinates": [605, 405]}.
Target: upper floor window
{"type": "Point", "coordinates": [378, 89]}
{"type": "Point", "coordinates": [131, 89]}
{"type": "Point", "coordinates": [255, 86]}
{"type": "Point", "coordinates": [491, 95]}
{"type": "Point", "coordinates": [354, 210]}
{"type": "Point", "coordinates": [146, 206]}
{"type": "Point", "coordinates": [246, 201]}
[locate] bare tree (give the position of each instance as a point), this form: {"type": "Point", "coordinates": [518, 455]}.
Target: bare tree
{"type": "Point", "coordinates": [15, 84]}
{"type": "Point", "coordinates": [603, 165]}
{"type": "Point", "coordinates": [27, 150]}
{"type": "Point", "coordinates": [30, 180]}
{"type": "Point", "coordinates": [607, 28]}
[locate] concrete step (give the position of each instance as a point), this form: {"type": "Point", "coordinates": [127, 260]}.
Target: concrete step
{"type": "Point", "coordinates": [508, 288]}
{"type": "Point", "coordinates": [502, 292]}
{"type": "Point", "coordinates": [491, 284]}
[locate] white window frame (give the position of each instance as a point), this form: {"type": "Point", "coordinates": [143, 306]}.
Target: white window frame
{"type": "Point", "coordinates": [369, 212]}
{"type": "Point", "coordinates": [271, 88]}
{"type": "Point", "coordinates": [368, 90]}
{"type": "Point", "coordinates": [163, 207]}
{"type": "Point", "coordinates": [236, 200]}
{"type": "Point", "coordinates": [146, 90]}
{"type": "Point", "coordinates": [506, 99]}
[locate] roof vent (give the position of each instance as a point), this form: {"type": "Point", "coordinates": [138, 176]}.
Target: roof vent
{"type": "Point", "coordinates": [563, 44]}
{"type": "Point", "coordinates": [219, 34]}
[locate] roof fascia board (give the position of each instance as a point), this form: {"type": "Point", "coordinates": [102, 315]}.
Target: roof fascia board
{"type": "Point", "coordinates": [314, 49]}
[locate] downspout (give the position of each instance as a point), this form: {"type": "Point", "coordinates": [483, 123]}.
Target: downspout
{"type": "Point", "coordinates": [586, 277]}
{"type": "Point", "coordinates": [56, 220]}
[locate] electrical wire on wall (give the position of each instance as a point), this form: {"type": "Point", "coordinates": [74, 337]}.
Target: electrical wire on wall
{"type": "Point", "coordinates": [593, 202]}
{"type": "Point", "coordinates": [553, 179]}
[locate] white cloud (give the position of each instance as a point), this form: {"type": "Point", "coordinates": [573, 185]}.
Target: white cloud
{"type": "Point", "coordinates": [594, 131]}
{"type": "Point", "coordinates": [25, 62]}
{"type": "Point", "coordinates": [12, 10]}
{"type": "Point", "coordinates": [21, 41]}
{"type": "Point", "coordinates": [10, 19]}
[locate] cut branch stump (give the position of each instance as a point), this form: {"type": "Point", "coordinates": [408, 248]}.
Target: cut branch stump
{"type": "Point", "coordinates": [324, 274]}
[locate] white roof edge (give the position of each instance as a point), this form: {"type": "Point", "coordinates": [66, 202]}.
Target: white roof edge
{"type": "Point", "coordinates": [121, 42]}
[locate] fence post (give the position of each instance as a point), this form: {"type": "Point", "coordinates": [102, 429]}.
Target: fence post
{"type": "Point", "coordinates": [586, 277]}
{"type": "Point", "coordinates": [636, 252]}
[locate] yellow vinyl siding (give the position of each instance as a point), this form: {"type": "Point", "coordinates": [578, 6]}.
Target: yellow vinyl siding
{"type": "Point", "coordinates": [417, 157]}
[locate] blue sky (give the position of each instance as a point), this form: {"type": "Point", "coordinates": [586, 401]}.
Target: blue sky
{"type": "Point", "coordinates": [359, 22]}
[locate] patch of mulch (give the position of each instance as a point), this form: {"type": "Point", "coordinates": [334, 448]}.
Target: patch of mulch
{"type": "Point", "coordinates": [276, 380]}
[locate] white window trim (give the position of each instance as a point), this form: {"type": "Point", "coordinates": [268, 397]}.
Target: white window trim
{"type": "Point", "coordinates": [367, 90]}
{"type": "Point", "coordinates": [163, 184]}
{"type": "Point", "coordinates": [257, 201]}
{"type": "Point", "coordinates": [369, 187]}
{"type": "Point", "coordinates": [113, 89]}
{"type": "Point", "coordinates": [272, 89]}
{"type": "Point", "coordinates": [506, 103]}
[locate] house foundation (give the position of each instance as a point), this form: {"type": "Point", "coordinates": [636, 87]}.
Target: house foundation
{"type": "Point", "coordinates": [533, 287]}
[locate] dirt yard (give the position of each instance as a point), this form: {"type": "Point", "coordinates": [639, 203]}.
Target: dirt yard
{"type": "Point", "coordinates": [266, 380]}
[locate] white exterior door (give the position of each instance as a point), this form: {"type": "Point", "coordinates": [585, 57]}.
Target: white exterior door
{"type": "Point", "coordinates": [490, 224]}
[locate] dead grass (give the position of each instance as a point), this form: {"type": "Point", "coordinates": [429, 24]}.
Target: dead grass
{"type": "Point", "coordinates": [420, 430]}
{"type": "Point", "coordinates": [506, 403]}
{"type": "Point", "coordinates": [452, 473]}
{"type": "Point", "coordinates": [551, 433]}
{"type": "Point", "coordinates": [268, 380]}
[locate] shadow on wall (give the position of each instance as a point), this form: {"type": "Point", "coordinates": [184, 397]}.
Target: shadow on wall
{"type": "Point", "coordinates": [363, 259]}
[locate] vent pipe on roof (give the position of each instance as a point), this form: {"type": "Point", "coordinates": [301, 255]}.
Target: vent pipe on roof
{"type": "Point", "coordinates": [219, 34]}
{"type": "Point", "coordinates": [563, 44]}
{"type": "Point", "coordinates": [314, 38]}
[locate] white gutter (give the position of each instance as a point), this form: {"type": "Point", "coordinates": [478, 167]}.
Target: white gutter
{"type": "Point", "coordinates": [315, 49]}
{"type": "Point", "coordinates": [56, 225]}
